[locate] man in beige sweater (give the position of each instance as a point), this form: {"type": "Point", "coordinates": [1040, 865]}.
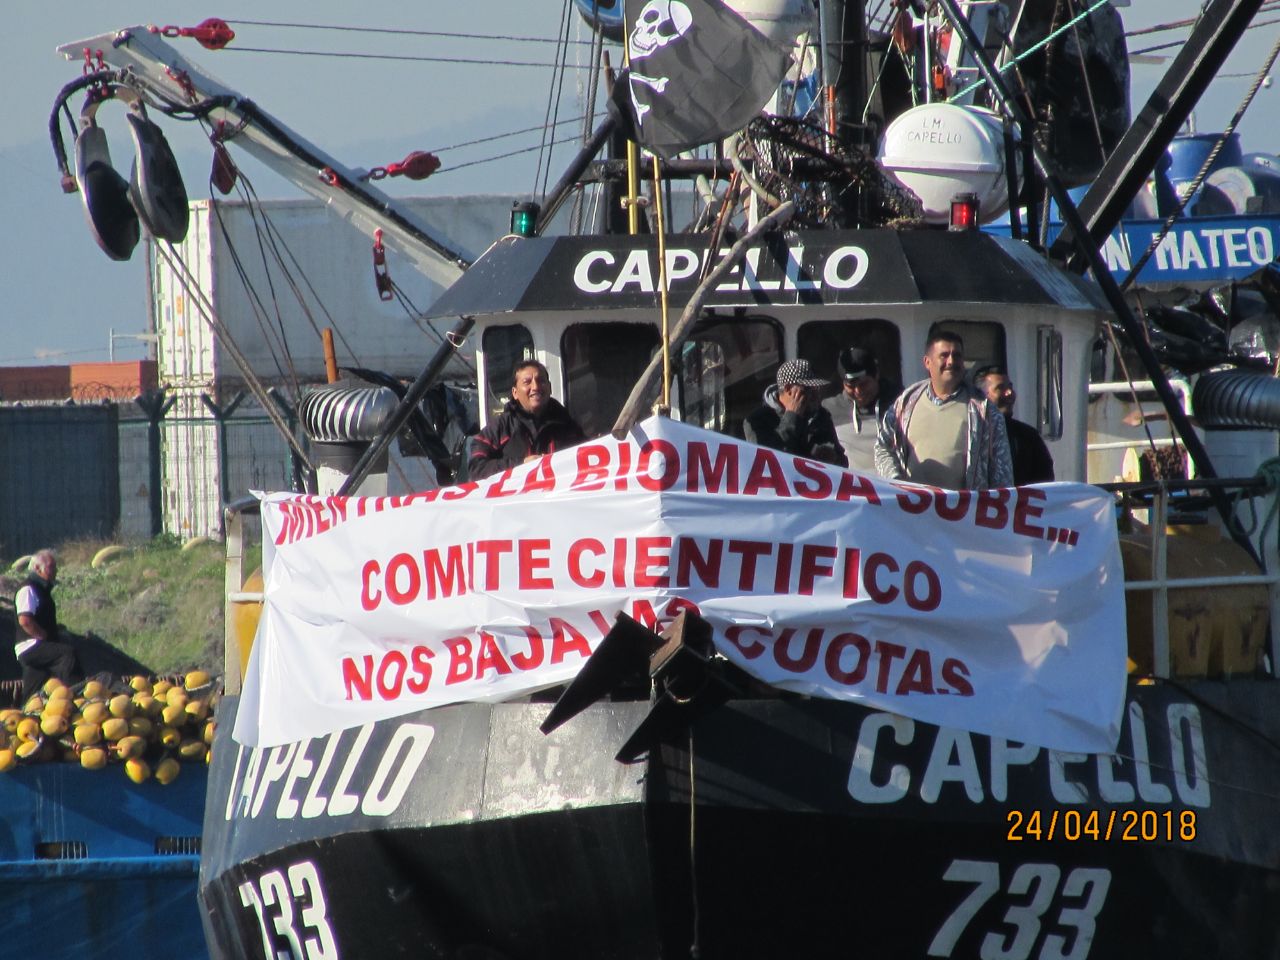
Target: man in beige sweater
{"type": "Point", "coordinates": [941, 431]}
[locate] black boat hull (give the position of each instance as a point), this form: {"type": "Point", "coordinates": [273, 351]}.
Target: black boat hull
{"type": "Point", "coordinates": [818, 829]}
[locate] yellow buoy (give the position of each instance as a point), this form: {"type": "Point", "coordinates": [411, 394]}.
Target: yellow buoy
{"type": "Point", "coordinates": [129, 747]}
{"type": "Point", "coordinates": [115, 728]}
{"type": "Point", "coordinates": [141, 727]}
{"type": "Point", "coordinates": [93, 758]}
{"type": "Point", "coordinates": [54, 725]}
{"type": "Point", "coordinates": [167, 770]}
{"type": "Point", "coordinates": [121, 706]}
{"type": "Point", "coordinates": [87, 734]}
{"type": "Point", "coordinates": [105, 554]}
{"type": "Point", "coordinates": [96, 712]}
{"type": "Point", "coordinates": [137, 770]}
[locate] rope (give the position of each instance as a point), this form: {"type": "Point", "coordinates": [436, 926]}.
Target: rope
{"type": "Point", "coordinates": [1088, 89]}
{"type": "Point", "coordinates": [554, 94]}
{"type": "Point", "coordinates": [1266, 7]}
{"type": "Point", "coordinates": [662, 285]}
{"type": "Point", "coordinates": [398, 56]}
{"type": "Point", "coordinates": [399, 32]}
{"type": "Point", "coordinates": [500, 156]}
{"type": "Point", "coordinates": [1181, 43]}
{"type": "Point", "coordinates": [189, 283]}
{"type": "Point", "coordinates": [1190, 191]}
{"type": "Point", "coordinates": [1033, 48]}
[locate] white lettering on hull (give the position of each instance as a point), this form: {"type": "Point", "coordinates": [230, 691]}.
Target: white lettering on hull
{"type": "Point", "coordinates": [1178, 775]}
{"type": "Point", "coordinates": [273, 779]}
{"type": "Point", "coordinates": [599, 272]}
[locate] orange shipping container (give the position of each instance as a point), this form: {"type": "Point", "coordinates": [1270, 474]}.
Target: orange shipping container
{"type": "Point", "coordinates": [112, 381]}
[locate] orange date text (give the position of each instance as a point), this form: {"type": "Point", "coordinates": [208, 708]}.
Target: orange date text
{"type": "Point", "coordinates": [1085, 826]}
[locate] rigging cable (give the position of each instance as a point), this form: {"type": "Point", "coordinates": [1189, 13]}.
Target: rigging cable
{"type": "Point", "coordinates": [1180, 43]}
{"type": "Point", "coordinates": [595, 60]}
{"type": "Point", "coordinates": [1267, 7]}
{"type": "Point", "coordinates": [553, 96]}
{"type": "Point", "coordinates": [1088, 89]}
{"type": "Point", "coordinates": [399, 32]}
{"type": "Point", "coordinates": [271, 337]}
{"type": "Point", "coordinates": [349, 55]}
{"type": "Point", "coordinates": [1189, 191]}
{"type": "Point", "coordinates": [191, 284]}
{"type": "Point", "coordinates": [1053, 35]}
{"type": "Point", "coordinates": [275, 239]}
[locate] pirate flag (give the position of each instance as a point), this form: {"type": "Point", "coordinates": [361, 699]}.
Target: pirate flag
{"type": "Point", "coordinates": [698, 73]}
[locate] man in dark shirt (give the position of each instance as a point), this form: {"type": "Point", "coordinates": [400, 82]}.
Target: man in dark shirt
{"type": "Point", "coordinates": [37, 646]}
{"type": "Point", "coordinates": [792, 418]}
{"type": "Point", "coordinates": [531, 425]}
{"type": "Point", "coordinates": [1032, 462]}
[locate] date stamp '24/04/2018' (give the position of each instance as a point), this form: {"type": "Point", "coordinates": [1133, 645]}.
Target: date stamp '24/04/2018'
{"type": "Point", "coordinates": [1087, 826]}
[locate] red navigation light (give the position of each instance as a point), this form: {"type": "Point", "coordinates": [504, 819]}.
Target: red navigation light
{"type": "Point", "coordinates": [964, 211]}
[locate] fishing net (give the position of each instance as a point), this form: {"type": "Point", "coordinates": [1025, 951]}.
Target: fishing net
{"type": "Point", "coordinates": [830, 180]}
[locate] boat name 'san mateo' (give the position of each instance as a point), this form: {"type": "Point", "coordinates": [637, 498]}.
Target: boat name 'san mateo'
{"type": "Point", "coordinates": [331, 776]}
{"type": "Point", "coordinates": [1161, 759]}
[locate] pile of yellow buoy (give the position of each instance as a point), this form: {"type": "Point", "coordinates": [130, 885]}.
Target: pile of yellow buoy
{"type": "Point", "coordinates": [149, 726]}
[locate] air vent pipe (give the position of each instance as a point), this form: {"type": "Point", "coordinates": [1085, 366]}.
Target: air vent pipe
{"type": "Point", "coordinates": [341, 421]}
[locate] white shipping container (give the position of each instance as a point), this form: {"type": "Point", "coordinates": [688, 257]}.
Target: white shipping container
{"type": "Point", "coordinates": [275, 273]}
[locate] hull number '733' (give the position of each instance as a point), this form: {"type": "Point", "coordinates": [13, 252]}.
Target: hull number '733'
{"type": "Point", "coordinates": [291, 914]}
{"type": "Point", "coordinates": [1033, 890]}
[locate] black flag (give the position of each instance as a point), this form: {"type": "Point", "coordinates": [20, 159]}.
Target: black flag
{"type": "Point", "coordinates": [698, 73]}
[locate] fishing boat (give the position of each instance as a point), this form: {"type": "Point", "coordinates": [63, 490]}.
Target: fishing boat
{"type": "Point", "coordinates": [671, 751]}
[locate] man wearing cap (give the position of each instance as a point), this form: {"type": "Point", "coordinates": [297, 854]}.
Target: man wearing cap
{"type": "Point", "coordinates": [856, 410]}
{"type": "Point", "coordinates": [943, 432]}
{"type": "Point", "coordinates": [1032, 462]}
{"type": "Point", "coordinates": [792, 419]}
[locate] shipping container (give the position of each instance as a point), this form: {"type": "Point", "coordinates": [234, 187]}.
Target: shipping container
{"type": "Point", "coordinates": [273, 275]}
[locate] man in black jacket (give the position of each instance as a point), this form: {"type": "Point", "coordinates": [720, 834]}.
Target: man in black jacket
{"type": "Point", "coordinates": [1032, 462]}
{"type": "Point", "coordinates": [531, 425]}
{"type": "Point", "coordinates": [37, 646]}
{"type": "Point", "coordinates": [792, 418]}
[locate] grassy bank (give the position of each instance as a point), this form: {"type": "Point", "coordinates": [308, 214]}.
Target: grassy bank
{"type": "Point", "coordinates": [157, 602]}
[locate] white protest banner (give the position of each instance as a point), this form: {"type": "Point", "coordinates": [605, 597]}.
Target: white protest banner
{"type": "Point", "coordinates": [996, 611]}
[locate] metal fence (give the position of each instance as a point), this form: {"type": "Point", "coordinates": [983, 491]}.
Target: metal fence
{"type": "Point", "coordinates": [164, 464]}
{"type": "Point", "coordinates": [59, 475]}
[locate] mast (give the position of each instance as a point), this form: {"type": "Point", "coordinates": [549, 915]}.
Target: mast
{"type": "Point", "coordinates": [842, 24]}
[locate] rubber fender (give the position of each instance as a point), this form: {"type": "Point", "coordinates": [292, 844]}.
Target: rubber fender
{"type": "Point", "coordinates": [105, 554]}
{"type": "Point", "coordinates": [1230, 400]}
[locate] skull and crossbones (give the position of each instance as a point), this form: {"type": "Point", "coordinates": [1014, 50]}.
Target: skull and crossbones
{"type": "Point", "coordinates": [660, 22]}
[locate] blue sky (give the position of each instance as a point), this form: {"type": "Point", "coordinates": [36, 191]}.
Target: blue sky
{"type": "Point", "coordinates": [60, 296]}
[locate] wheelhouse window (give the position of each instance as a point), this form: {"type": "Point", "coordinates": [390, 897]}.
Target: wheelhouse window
{"type": "Point", "coordinates": [821, 341]}
{"type": "Point", "coordinates": [602, 362]}
{"type": "Point", "coordinates": [1049, 382]}
{"type": "Point", "coordinates": [503, 347]}
{"type": "Point", "coordinates": [719, 374]}
{"type": "Point", "coordinates": [725, 367]}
